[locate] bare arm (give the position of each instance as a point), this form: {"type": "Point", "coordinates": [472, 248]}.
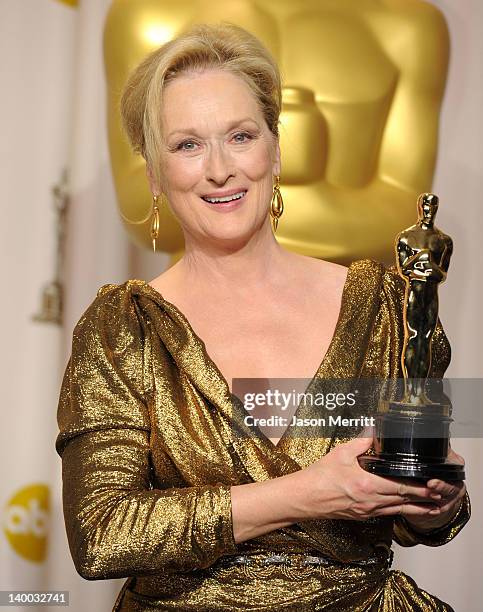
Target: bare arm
{"type": "Point", "coordinates": [261, 507]}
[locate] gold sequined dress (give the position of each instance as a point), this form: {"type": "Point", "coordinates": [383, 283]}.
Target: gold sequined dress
{"type": "Point", "coordinates": [149, 455]}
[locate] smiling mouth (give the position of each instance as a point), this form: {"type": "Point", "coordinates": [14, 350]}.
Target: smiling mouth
{"type": "Point", "coordinates": [226, 199]}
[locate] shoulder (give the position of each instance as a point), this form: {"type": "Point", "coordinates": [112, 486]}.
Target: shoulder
{"type": "Point", "coordinates": [108, 340]}
{"type": "Point", "coordinates": [105, 383]}
{"type": "Point", "coordinates": [328, 271]}
{"type": "Point", "coordinates": [111, 320]}
{"type": "Point", "coordinates": [372, 283]}
{"type": "Point", "coordinates": [111, 298]}
{"type": "Point", "coordinates": [367, 277]}
{"type": "Point", "coordinates": [364, 276]}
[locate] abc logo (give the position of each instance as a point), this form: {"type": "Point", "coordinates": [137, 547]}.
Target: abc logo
{"type": "Point", "coordinates": [25, 521]}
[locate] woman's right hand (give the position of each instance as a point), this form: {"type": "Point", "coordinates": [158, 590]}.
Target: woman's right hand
{"type": "Point", "coordinates": [336, 487]}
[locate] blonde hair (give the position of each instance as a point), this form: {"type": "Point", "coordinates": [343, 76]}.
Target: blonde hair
{"type": "Point", "coordinates": [224, 46]}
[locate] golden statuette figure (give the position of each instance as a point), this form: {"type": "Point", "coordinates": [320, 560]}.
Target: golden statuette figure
{"type": "Point", "coordinates": [412, 435]}
{"type": "Point", "coordinates": [423, 256]}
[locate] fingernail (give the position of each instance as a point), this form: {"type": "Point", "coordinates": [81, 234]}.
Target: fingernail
{"type": "Point", "coordinates": [434, 511]}
{"type": "Point", "coordinates": [435, 495]}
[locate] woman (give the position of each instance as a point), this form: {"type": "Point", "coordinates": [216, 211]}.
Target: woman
{"type": "Point", "coordinates": [158, 485]}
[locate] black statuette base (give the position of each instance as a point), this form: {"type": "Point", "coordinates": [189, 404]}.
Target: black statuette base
{"type": "Point", "coordinates": [397, 468]}
{"type": "Point", "coordinates": [412, 441]}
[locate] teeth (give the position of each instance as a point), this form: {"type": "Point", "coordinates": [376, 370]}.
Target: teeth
{"type": "Point", "coordinates": [235, 196]}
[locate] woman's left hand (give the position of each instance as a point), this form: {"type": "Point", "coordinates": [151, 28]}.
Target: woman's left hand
{"type": "Point", "coordinates": [451, 493]}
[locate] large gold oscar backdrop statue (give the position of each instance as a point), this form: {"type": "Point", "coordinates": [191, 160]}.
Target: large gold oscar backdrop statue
{"type": "Point", "coordinates": [363, 84]}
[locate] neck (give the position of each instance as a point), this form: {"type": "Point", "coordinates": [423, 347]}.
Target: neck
{"type": "Point", "coordinates": [234, 268]}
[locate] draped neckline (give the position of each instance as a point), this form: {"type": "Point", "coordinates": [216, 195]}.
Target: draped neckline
{"type": "Point", "coordinates": [344, 359]}
{"type": "Point", "coordinates": [322, 369]}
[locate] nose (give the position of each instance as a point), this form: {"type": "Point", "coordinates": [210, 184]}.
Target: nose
{"type": "Point", "coordinates": [219, 164]}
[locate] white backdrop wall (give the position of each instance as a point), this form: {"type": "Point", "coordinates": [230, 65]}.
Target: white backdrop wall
{"type": "Point", "coordinates": [53, 114]}
{"type": "Point", "coordinates": [52, 117]}
{"type": "Point", "coordinates": [37, 50]}
{"type": "Point", "coordinates": [454, 571]}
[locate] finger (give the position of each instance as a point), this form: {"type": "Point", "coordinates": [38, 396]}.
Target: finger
{"type": "Point", "coordinates": [406, 489]}
{"type": "Point", "coordinates": [447, 502]}
{"type": "Point", "coordinates": [367, 432]}
{"type": "Point", "coordinates": [424, 496]}
{"type": "Point", "coordinates": [397, 500]}
{"type": "Point", "coordinates": [444, 508]}
{"type": "Point", "coordinates": [358, 446]}
{"type": "Point", "coordinates": [451, 507]}
{"type": "Point", "coordinates": [446, 489]}
{"type": "Point", "coordinates": [409, 509]}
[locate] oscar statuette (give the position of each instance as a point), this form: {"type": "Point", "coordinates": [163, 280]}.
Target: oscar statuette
{"type": "Point", "coordinates": [412, 436]}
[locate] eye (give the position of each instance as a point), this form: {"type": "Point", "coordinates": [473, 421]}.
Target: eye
{"type": "Point", "coordinates": [181, 146]}
{"type": "Point", "coordinates": [244, 134]}
{"type": "Point", "coordinates": [240, 137]}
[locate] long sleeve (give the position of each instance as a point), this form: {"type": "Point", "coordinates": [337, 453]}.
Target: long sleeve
{"type": "Point", "coordinates": [117, 524]}
{"type": "Point", "coordinates": [403, 534]}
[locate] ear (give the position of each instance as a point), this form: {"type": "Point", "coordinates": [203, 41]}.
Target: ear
{"type": "Point", "coordinates": [277, 165]}
{"type": "Point", "coordinates": [155, 190]}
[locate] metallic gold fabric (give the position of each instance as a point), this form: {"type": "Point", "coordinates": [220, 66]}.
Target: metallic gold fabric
{"type": "Point", "coordinates": [148, 458]}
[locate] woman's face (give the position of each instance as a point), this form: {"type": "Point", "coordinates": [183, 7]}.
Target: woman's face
{"type": "Point", "coordinates": [216, 144]}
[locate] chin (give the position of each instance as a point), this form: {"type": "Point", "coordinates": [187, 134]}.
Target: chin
{"type": "Point", "coordinates": [233, 235]}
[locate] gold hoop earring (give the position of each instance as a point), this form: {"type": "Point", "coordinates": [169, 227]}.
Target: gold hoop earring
{"type": "Point", "coordinates": [155, 222]}
{"type": "Point", "coordinates": [276, 205]}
